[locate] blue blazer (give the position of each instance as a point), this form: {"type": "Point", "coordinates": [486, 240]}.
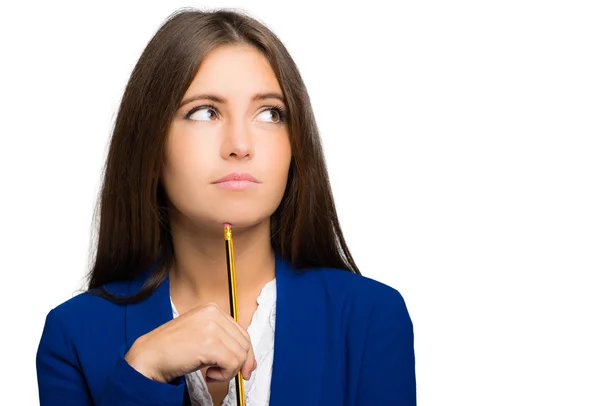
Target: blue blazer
{"type": "Point", "coordinates": [340, 339]}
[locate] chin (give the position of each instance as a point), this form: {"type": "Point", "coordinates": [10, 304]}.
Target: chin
{"type": "Point", "coordinates": [244, 222]}
{"type": "Point", "coordinates": [243, 214]}
{"type": "Point", "coordinates": [240, 220]}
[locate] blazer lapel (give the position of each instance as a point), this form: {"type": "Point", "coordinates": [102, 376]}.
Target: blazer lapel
{"type": "Point", "coordinates": [300, 325]}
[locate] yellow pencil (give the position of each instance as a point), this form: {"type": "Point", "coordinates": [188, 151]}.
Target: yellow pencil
{"type": "Point", "coordinates": [233, 307]}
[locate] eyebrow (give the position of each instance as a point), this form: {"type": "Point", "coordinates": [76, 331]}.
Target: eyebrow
{"type": "Point", "coordinates": [220, 99]}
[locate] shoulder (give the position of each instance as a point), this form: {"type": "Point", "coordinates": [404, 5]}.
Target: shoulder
{"type": "Point", "coordinates": [87, 311]}
{"type": "Point", "coordinates": [82, 328]}
{"type": "Point", "coordinates": [358, 292]}
{"type": "Point", "coordinates": [343, 283]}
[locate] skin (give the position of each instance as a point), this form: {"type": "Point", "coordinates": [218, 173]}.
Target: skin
{"type": "Point", "coordinates": [237, 135]}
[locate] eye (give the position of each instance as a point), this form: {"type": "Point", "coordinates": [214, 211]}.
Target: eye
{"type": "Point", "coordinates": [274, 112]}
{"type": "Point", "coordinates": [208, 112]}
{"type": "Point", "coordinates": [202, 113]}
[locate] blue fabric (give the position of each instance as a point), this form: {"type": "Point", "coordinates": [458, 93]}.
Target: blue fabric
{"type": "Point", "coordinates": [340, 339]}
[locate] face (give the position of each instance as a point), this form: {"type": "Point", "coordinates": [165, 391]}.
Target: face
{"type": "Point", "coordinates": [228, 150]}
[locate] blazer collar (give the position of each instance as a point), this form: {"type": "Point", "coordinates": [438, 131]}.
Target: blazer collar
{"type": "Point", "coordinates": [299, 329]}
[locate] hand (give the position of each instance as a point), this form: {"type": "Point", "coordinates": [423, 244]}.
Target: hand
{"type": "Point", "coordinates": [204, 336]}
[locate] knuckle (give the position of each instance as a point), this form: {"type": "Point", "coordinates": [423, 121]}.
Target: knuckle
{"type": "Point", "coordinates": [212, 307]}
{"type": "Point", "coordinates": [210, 326]}
{"type": "Point", "coordinates": [242, 355]}
{"type": "Point", "coordinates": [231, 367]}
{"type": "Point", "coordinates": [210, 342]}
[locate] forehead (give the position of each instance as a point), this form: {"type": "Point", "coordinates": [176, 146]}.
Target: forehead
{"type": "Point", "coordinates": [235, 69]}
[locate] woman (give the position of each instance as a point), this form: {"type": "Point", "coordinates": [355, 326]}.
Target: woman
{"type": "Point", "coordinates": [215, 126]}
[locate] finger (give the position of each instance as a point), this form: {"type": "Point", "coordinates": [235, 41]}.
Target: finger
{"type": "Point", "coordinates": [249, 365]}
{"type": "Point", "coordinates": [234, 329]}
{"type": "Point", "coordinates": [245, 342]}
{"type": "Point", "coordinates": [233, 322]}
{"type": "Point", "coordinates": [229, 356]}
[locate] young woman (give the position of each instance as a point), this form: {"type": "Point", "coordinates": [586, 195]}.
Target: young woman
{"type": "Point", "coordinates": [215, 126]}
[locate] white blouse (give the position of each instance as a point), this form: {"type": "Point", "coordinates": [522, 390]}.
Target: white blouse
{"type": "Point", "coordinates": [262, 336]}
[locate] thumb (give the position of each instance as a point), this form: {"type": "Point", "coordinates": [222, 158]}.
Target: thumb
{"type": "Point", "coordinates": [215, 374]}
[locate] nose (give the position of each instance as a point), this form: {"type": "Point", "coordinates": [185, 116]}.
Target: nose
{"type": "Point", "coordinates": [237, 142]}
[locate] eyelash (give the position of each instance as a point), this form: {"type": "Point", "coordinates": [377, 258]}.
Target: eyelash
{"type": "Point", "coordinates": [278, 108]}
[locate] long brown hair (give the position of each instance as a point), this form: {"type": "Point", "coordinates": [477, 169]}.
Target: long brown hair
{"type": "Point", "coordinates": [133, 230]}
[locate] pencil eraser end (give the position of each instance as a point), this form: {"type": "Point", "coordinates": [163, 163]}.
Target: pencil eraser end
{"type": "Point", "coordinates": [226, 225]}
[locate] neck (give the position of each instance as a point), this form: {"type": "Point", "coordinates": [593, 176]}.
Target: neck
{"type": "Point", "coordinates": [199, 271]}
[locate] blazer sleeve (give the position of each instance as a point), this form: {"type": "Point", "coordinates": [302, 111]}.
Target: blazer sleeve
{"type": "Point", "coordinates": [62, 383]}
{"type": "Point", "coordinates": [388, 363]}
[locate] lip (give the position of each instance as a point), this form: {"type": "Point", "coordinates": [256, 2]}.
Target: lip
{"type": "Point", "coordinates": [237, 181]}
{"type": "Point", "coordinates": [237, 176]}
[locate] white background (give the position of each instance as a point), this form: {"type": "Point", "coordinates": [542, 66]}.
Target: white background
{"type": "Point", "coordinates": [470, 130]}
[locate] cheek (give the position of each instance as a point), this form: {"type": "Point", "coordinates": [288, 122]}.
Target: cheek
{"type": "Point", "coordinates": [278, 160]}
{"type": "Point", "coordinates": [187, 165]}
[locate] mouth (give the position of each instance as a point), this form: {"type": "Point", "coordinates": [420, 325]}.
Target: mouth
{"type": "Point", "coordinates": [237, 181]}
